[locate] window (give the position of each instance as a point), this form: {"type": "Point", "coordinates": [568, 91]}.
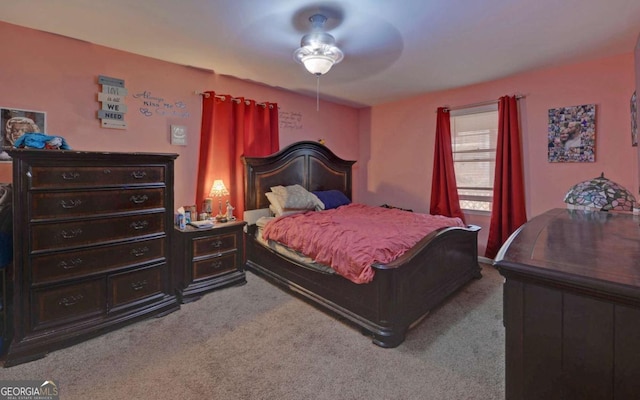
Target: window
{"type": "Point", "coordinates": [474, 134]}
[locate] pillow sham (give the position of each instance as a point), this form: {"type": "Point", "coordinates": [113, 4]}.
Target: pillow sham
{"type": "Point", "coordinates": [276, 206]}
{"type": "Point", "coordinates": [297, 197]}
{"type": "Point", "coordinates": [332, 198]}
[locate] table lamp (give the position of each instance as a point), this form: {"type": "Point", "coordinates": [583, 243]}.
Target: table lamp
{"type": "Point", "coordinates": [600, 194]}
{"type": "Point", "coordinates": [218, 189]}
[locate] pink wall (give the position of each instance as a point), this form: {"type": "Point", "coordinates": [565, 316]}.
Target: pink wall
{"type": "Point", "coordinates": [398, 148]}
{"type": "Point", "coordinates": [51, 73]}
{"type": "Point", "coordinates": [393, 143]}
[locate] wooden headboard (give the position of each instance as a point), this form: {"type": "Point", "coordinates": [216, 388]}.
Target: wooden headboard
{"type": "Point", "coordinates": [309, 164]}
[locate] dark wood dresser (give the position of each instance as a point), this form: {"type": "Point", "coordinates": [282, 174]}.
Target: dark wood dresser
{"type": "Point", "coordinates": [92, 240]}
{"type": "Point", "coordinates": [572, 306]}
{"type": "Point", "coordinates": [209, 258]}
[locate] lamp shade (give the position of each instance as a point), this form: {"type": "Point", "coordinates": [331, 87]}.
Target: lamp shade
{"type": "Point", "coordinates": [599, 194]}
{"type": "Point", "coordinates": [218, 189]}
{"type": "Point", "coordinates": [317, 64]}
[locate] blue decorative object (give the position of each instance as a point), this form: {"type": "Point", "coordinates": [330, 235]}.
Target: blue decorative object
{"type": "Point", "coordinates": [332, 198]}
{"type": "Point", "coordinates": [37, 140]}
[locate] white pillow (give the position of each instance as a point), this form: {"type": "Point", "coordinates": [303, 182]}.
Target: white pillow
{"type": "Point", "coordinates": [275, 203]}
{"type": "Point", "coordinates": [297, 197]}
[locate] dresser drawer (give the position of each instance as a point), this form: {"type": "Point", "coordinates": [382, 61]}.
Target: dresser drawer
{"type": "Point", "coordinates": [63, 304]}
{"type": "Point", "coordinates": [75, 204]}
{"type": "Point", "coordinates": [135, 285]}
{"type": "Point", "coordinates": [50, 236]}
{"type": "Point", "coordinates": [48, 177]}
{"type": "Point", "coordinates": [214, 244]}
{"type": "Point", "coordinates": [74, 264]}
{"type": "Point", "coordinates": [214, 266]}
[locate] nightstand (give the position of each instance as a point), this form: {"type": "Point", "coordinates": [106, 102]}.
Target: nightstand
{"type": "Point", "coordinates": [207, 259]}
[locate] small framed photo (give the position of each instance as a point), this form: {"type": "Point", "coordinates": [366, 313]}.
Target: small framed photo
{"type": "Point", "coordinates": [14, 123]}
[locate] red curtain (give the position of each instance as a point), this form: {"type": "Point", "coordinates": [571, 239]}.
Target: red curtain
{"type": "Point", "coordinates": [444, 191]}
{"type": "Point", "coordinates": [232, 127]}
{"type": "Point", "coordinates": [508, 211]}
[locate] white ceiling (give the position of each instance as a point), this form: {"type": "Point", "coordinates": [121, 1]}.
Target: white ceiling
{"type": "Point", "coordinates": [393, 49]}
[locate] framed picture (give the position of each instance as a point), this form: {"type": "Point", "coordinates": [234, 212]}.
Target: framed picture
{"type": "Point", "coordinates": [14, 123]}
{"type": "Point", "coordinates": [634, 119]}
{"type": "Point", "coordinates": [572, 134]}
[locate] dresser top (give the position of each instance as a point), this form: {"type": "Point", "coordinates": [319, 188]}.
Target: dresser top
{"type": "Point", "coordinates": [78, 154]}
{"type": "Point", "coordinates": [591, 246]}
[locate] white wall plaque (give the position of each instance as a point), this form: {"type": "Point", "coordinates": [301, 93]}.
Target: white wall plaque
{"type": "Point", "coordinates": [113, 123]}
{"type": "Point", "coordinates": [178, 135]}
{"type": "Point", "coordinates": [117, 107]}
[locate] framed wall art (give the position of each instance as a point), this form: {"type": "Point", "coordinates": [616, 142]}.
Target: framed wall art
{"type": "Point", "coordinates": [14, 123]}
{"type": "Point", "coordinates": [572, 134]}
{"type": "Point", "coordinates": [634, 119]}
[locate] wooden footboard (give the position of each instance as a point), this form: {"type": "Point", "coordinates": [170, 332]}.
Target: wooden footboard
{"type": "Point", "coordinates": [400, 294]}
{"type": "Point", "coordinates": [426, 275]}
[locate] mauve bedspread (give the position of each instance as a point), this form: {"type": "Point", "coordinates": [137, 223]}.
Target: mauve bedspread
{"type": "Point", "coordinates": [353, 237]}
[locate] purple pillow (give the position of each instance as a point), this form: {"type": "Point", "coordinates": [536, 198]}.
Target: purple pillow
{"type": "Point", "coordinates": [332, 198]}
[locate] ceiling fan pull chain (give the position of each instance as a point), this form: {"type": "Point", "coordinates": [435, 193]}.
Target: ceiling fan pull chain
{"type": "Point", "coordinates": [318, 93]}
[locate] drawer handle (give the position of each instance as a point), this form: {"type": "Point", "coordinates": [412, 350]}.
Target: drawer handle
{"type": "Point", "coordinates": [137, 225]}
{"type": "Point", "coordinates": [69, 176]}
{"type": "Point", "coordinates": [138, 174]}
{"type": "Point", "coordinates": [217, 244]}
{"type": "Point", "coordinates": [137, 199]}
{"type": "Point", "coordinates": [140, 251]}
{"type": "Point", "coordinates": [71, 234]}
{"type": "Point", "coordinates": [71, 300]}
{"type": "Point", "coordinates": [216, 264]}
{"type": "Point", "coordinates": [70, 203]}
{"type": "Point", "coordinates": [106, 171]}
{"type": "Point", "coordinates": [138, 285]}
{"type": "Point", "coordinates": [71, 264]}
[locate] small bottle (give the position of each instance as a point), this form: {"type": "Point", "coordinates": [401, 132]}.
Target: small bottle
{"type": "Point", "coordinates": [181, 221]}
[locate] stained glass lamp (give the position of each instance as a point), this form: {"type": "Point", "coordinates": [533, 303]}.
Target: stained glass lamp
{"type": "Point", "coordinates": [599, 194]}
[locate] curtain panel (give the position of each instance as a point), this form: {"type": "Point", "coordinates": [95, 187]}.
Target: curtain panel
{"type": "Point", "coordinates": [508, 211]}
{"type": "Point", "coordinates": [232, 127]}
{"type": "Point", "coordinates": [444, 190]}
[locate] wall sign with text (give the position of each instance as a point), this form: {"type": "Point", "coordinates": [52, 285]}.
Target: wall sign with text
{"type": "Point", "coordinates": [112, 98]}
{"type": "Point", "coordinates": [152, 104]}
{"type": "Point", "coordinates": [290, 120]}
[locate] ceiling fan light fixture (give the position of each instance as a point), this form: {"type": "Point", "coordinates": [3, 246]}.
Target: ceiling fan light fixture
{"type": "Point", "coordinates": [317, 64]}
{"type": "Point", "coordinates": [317, 51]}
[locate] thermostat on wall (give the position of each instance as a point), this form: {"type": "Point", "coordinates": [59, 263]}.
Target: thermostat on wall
{"type": "Point", "coordinates": [178, 135]}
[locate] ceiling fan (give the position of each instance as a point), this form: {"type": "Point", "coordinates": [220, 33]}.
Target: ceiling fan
{"type": "Point", "coordinates": [318, 51]}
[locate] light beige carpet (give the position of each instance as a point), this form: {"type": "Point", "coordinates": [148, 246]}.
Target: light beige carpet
{"type": "Point", "coordinates": [258, 342]}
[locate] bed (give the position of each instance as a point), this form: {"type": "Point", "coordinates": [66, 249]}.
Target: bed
{"type": "Point", "coordinates": [401, 293]}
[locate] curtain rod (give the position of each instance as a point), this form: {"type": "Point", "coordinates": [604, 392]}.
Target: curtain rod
{"type": "Point", "coordinates": [480, 104]}
{"type": "Point", "coordinates": [234, 99]}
